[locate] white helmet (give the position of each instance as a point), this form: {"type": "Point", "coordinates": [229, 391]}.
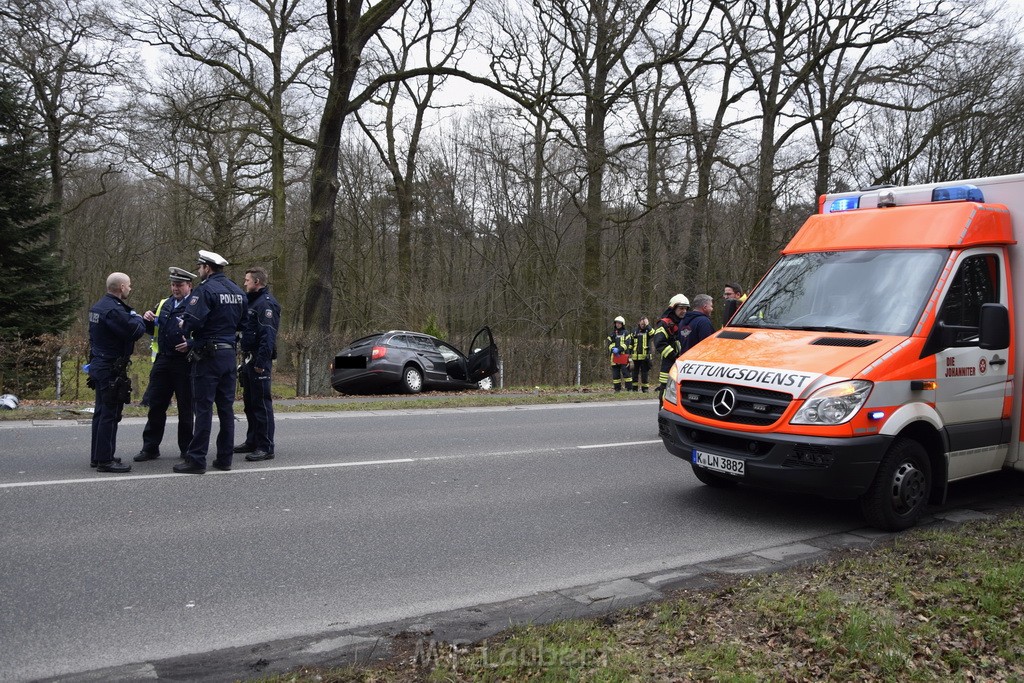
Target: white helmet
{"type": "Point", "coordinates": [620, 319]}
{"type": "Point", "coordinates": [678, 300]}
{"type": "Point", "coordinates": [8, 402]}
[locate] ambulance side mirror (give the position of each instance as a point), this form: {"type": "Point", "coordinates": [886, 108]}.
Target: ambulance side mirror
{"type": "Point", "coordinates": [995, 327]}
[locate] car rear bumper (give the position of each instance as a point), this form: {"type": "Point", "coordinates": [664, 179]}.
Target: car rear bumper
{"type": "Point", "coordinates": [359, 380]}
{"type": "Point", "coordinates": [829, 467]}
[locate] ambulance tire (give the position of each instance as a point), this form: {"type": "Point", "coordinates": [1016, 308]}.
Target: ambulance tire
{"type": "Point", "coordinates": [718, 481]}
{"type": "Point", "coordinates": [899, 493]}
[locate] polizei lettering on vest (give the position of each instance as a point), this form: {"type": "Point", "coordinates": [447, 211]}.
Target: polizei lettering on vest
{"type": "Point", "coordinates": [755, 376]}
{"type": "Point", "coordinates": [230, 299]}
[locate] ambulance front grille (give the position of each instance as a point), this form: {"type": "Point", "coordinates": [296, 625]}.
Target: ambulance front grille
{"type": "Point", "coordinates": [755, 407]}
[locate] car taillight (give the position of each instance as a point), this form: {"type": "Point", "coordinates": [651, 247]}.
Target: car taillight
{"type": "Point", "coordinates": [378, 352]}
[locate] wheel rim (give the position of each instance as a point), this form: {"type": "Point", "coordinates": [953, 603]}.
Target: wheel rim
{"type": "Point", "coordinates": [909, 488]}
{"type": "Point", "coordinates": [485, 384]}
{"type": "Point", "coordinates": [413, 379]}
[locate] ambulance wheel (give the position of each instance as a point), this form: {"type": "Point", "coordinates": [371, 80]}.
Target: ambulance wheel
{"type": "Point", "coordinates": [412, 380]}
{"type": "Point", "coordinates": [718, 481]}
{"type": "Point", "coordinates": [899, 493]}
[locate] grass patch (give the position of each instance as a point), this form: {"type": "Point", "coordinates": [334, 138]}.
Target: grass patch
{"type": "Point", "coordinates": [943, 604]}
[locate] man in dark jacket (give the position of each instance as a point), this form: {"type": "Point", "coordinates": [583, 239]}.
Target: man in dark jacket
{"type": "Point", "coordinates": [113, 329]}
{"type": "Point", "coordinates": [696, 325]}
{"type": "Point", "coordinates": [259, 348]}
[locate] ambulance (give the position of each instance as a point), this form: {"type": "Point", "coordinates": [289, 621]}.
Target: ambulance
{"type": "Point", "coordinates": [876, 361]}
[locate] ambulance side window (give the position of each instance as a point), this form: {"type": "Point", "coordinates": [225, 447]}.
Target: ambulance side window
{"type": "Point", "coordinates": [976, 283]}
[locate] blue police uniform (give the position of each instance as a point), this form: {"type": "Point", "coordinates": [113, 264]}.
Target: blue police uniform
{"type": "Point", "coordinates": [259, 344]}
{"type": "Point", "coordinates": [170, 376]}
{"type": "Point", "coordinates": [212, 317]}
{"type": "Point", "coordinates": [113, 329]}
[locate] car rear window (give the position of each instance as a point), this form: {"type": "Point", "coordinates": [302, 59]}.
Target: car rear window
{"type": "Point", "coordinates": [365, 341]}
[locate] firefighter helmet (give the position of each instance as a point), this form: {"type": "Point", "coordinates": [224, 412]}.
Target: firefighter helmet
{"type": "Point", "coordinates": [678, 300]}
{"type": "Point", "coordinates": [620, 319]}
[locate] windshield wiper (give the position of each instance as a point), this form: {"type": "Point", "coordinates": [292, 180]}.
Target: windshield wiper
{"type": "Point", "coordinates": [754, 321]}
{"type": "Point", "coordinates": [828, 328]}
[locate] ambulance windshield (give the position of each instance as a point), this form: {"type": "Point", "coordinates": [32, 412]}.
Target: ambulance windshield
{"type": "Point", "coordinates": [869, 291]}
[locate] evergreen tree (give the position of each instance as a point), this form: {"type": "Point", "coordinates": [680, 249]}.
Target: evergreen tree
{"type": "Point", "coordinates": [35, 297]}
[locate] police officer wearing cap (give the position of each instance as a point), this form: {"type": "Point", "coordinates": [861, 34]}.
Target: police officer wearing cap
{"type": "Point", "coordinates": [259, 348]}
{"type": "Point", "coordinates": [113, 329]}
{"type": "Point", "coordinates": [212, 317]}
{"type": "Point", "coordinates": [171, 371]}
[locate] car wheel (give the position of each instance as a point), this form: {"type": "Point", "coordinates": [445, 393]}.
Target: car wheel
{"type": "Point", "coordinates": [718, 481]}
{"type": "Point", "coordinates": [899, 493]}
{"type": "Point", "coordinates": [486, 384]}
{"type": "Point", "coordinates": [412, 380]}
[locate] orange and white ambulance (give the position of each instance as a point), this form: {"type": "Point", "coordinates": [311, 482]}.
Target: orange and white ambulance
{"type": "Point", "coordinates": [876, 360]}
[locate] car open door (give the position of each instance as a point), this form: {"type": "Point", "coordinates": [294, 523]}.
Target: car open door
{"type": "Point", "coordinates": [483, 356]}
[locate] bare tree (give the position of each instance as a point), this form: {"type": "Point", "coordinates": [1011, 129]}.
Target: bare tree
{"type": "Point", "coordinates": [351, 29]}
{"type": "Point", "coordinates": [201, 141]}
{"type": "Point", "coordinates": [785, 43]}
{"type": "Point", "coordinates": [266, 52]}
{"type": "Point", "coordinates": [69, 61]}
{"type": "Point", "coordinates": [422, 38]}
{"type": "Point", "coordinates": [960, 119]}
{"type": "Point", "coordinates": [592, 43]}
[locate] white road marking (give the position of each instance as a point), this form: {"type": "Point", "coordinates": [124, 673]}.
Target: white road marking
{"type": "Point", "coordinates": [320, 466]}
{"type": "Point", "coordinates": [623, 443]}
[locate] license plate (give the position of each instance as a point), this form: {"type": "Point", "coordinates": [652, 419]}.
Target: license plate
{"type": "Point", "coordinates": [718, 463]}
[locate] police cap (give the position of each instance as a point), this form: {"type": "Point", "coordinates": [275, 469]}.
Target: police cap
{"type": "Point", "coordinates": [212, 258]}
{"type": "Point", "coordinates": [180, 275]}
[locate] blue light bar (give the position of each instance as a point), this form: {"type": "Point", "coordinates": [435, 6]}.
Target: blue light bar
{"type": "Point", "coordinates": [958, 193]}
{"type": "Point", "coordinates": [844, 204]}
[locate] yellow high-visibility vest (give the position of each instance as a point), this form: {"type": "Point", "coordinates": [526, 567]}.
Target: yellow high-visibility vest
{"type": "Point", "coordinates": [154, 346]}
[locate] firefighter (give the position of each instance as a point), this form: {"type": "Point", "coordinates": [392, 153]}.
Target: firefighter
{"type": "Point", "coordinates": [665, 338]}
{"type": "Point", "coordinates": [642, 355]}
{"type": "Point", "coordinates": [620, 344]}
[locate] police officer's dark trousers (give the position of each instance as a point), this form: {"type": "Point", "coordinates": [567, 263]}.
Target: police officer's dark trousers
{"type": "Point", "coordinates": [106, 414]}
{"type": "Point", "coordinates": [170, 377]}
{"type": "Point", "coordinates": [259, 408]}
{"type": "Point", "coordinates": [213, 382]}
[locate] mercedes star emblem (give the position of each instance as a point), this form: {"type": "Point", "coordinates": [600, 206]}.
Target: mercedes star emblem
{"type": "Point", "coordinates": [724, 402]}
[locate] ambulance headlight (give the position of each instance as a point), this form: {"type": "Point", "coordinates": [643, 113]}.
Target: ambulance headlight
{"type": "Point", "coordinates": [834, 404]}
{"type": "Point", "coordinates": [672, 391]}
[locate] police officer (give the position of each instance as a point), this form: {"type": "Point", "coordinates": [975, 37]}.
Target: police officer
{"type": "Point", "coordinates": [171, 371]}
{"type": "Point", "coordinates": [665, 340]}
{"type": "Point", "coordinates": [620, 344]}
{"type": "Point", "coordinates": [642, 355]}
{"type": "Point", "coordinates": [113, 329]}
{"type": "Point", "coordinates": [212, 316]}
{"type": "Point", "coordinates": [259, 348]}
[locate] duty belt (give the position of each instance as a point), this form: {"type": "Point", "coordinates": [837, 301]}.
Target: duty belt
{"type": "Point", "coordinates": [220, 346]}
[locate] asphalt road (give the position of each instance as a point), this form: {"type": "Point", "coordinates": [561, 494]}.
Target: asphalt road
{"type": "Point", "coordinates": [363, 517]}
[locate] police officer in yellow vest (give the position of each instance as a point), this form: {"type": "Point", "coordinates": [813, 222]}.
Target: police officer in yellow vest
{"type": "Point", "coordinates": [171, 369]}
{"type": "Point", "coordinates": [642, 355]}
